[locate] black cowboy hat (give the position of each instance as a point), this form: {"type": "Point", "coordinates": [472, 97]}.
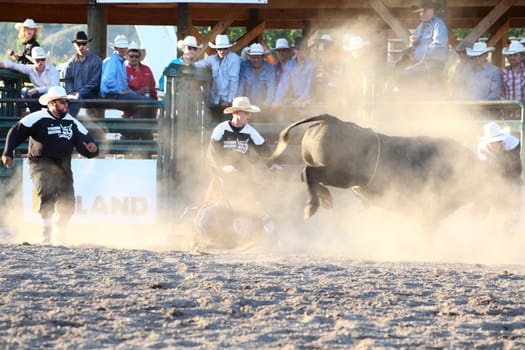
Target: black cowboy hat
{"type": "Point", "coordinates": [81, 36]}
{"type": "Point", "coordinates": [425, 4]}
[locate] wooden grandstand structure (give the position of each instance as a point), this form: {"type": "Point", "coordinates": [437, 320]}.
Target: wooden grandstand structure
{"type": "Point", "coordinates": [482, 16]}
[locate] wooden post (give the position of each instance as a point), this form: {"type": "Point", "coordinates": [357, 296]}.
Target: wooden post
{"type": "Point", "coordinates": [183, 21]}
{"type": "Point", "coordinates": [97, 28]}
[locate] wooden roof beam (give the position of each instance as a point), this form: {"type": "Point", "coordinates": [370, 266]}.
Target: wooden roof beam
{"type": "Point", "coordinates": [495, 14]}
{"type": "Point", "coordinates": [219, 28]}
{"type": "Point", "coordinates": [392, 21]}
{"type": "Point", "coordinates": [249, 36]}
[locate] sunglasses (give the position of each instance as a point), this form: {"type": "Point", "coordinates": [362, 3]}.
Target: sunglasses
{"type": "Point", "coordinates": [133, 56]}
{"type": "Point", "coordinates": [81, 43]}
{"type": "Point", "coordinates": [192, 48]}
{"type": "Point", "coordinates": [40, 60]}
{"type": "Point", "coordinates": [62, 101]}
{"type": "Point", "coordinates": [223, 49]}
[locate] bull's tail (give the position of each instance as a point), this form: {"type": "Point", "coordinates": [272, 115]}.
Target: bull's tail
{"type": "Point", "coordinates": [283, 136]}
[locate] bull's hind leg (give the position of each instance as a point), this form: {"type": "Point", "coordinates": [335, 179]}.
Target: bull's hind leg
{"type": "Point", "coordinates": [317, 193]}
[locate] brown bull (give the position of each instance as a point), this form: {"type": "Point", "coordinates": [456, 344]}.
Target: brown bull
{"type": "Point", "coordinates": [433, 175]}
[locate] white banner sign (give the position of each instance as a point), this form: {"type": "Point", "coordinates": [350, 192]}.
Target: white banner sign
{"type": "Point", "coordinates": [106, 190]}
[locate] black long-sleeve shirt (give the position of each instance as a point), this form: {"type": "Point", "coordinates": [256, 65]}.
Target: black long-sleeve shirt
{"type": "Point", "coordinates": [49, 137]}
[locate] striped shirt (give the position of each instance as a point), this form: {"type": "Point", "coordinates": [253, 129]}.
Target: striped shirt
{"type": "Point", "coordinates": [513, 83]}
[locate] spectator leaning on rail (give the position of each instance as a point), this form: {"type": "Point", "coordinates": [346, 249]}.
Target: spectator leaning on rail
{"type": "Point", "coordinates": [114, 80]}
{"type": "Point", "coordinates": [513, 75]}
{"type": "Point", "coordinates": [188, 46]}
{"type": "Point", "coordinates": [257, 78]}
{"type": "Point", "coordinates": [52, 133]}
{"type": "Point", "coordinates": [225, 67]}
{"type": "Point", "coordinates": [284, 53]}
{"type": "Point", "coordinates": [140, 76]}
{"type": "Point", "coordinates": [42, 75]}
{"type": "Point", "coordinates": [27, 34]}
{"type": "Point", "coordinates": [142, 82]}
{"type": "Point", "coordinates": [482, 79]}
{"type": "Point", "coordinates": [83, 72]}
{"type": "Point", "coordinates": [295, 85]}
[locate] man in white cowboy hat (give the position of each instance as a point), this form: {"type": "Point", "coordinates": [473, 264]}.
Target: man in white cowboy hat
{"type": "Point", "coordinates": [83, 72]}
{"type": "Point", "coordinates": [257, 77]}
{"type": "Point", "coordinates": [232, 158]}
{"type": "Point", "coordinates": [53, 134]}
{"type": "Point", "coordinates": [500, 150]}
{"type": "Point", "coordinates": [284, 53]}
{"type": "Point", "coordinates": [482, 79]}
{"type": "Point", "coordinates": [141, 79]}
{"type": "Point", "coordinates": [27, 34]}
{"type": "Point", "coordinates": [114, 79]}
{"type": "Point", "coordinates": [42, 75]}
{"type": "Point", "coordinates": [295, 86]}
{"type": "Point", "coordinates": [513, 75]}
{"type": "Point", "coordinates": [189, 47]}
{"type": "Point", "coordinates": [225, 67]}
{"type": "Point", "coordinates": [429, 43]}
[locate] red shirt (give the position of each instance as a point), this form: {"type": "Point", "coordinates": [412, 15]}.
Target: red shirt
{"type": "Point", "coordinates": [142, 77]}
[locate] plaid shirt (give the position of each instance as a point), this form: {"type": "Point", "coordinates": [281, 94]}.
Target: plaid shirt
{"type": "Point", "coordinates": [513, 83]}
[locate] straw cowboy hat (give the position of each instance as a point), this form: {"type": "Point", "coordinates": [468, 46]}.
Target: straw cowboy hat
{"type": "Point", "coordinates": [136, 47]}
{"type": "Point", "coordinates": [120, 42]}
{"type": "Point", "coordinates": [257, 50]}
{"type": "Point", "coordinates": [479, 49]}
{"type": "Point", "coordinates": [514, 47]}
{"type": "Point", "coordinates": [221, 42]}
{"type": "Point", "coordinates": [28, 23]}
{"type": "Point", "coordinates": [188, 41]}
{"type": "Point", "coordinates": [281, 43]}
{"type": "Point", "coordinates": [493, 133]}
{"type": "Point", "coordinates": [54, 93]}
{"type": "Point", "coordinates": [80, 36]}
{"type": "Point", "coordinates": [425, 4]}
{"type": "Point", "coordinates": [241, 103]}
{"type": "Point", "coordinates": [37, 53]}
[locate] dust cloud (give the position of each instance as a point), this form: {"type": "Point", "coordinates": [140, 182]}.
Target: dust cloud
{"type": "Point", "coordinates": [373, 95]}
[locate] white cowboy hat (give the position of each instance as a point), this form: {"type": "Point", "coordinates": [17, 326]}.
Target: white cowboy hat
{"type": "Point", "coordinates": [479, 49]}
{"type": "Point", "coordinates": [188, 41]}
{"type": "Point", "coordinates": [493, 133]}
{"type": "Point", "coordinates": [120, 42]}
{"type": "Point", "coordinates": [37, 53]}
{"type": "Point", "coordinates": [257, 50]}
{"type": "Point", "coordinates": [29, 23]}
{"type": "Point", "coordinates": [514, 47]}
{"type": "Point", "coordinates": [281, 43]}
{"type": "Point", "coordinates": [221, 42]}
{"type": "Point", "coordinates": [54, 93]}
{"type": "Point", "coordinates": [136, 47]}
{"type": "Point", "coordinates": [353, 42]}
{"type": "Point", "coordinates": [242, 103]}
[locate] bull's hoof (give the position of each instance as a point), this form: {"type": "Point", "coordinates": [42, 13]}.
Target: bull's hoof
{"type": "Point", "coordinates": [325, 197]}
{"type": "Point", "coordinates": [310, 210]}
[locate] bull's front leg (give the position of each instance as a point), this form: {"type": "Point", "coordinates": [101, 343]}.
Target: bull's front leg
{"type": "Point", "coordinates": [312, 204]}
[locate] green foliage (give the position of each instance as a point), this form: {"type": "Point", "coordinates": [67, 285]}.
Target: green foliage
{"type": "Point", "coordinates": [269, 36]}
